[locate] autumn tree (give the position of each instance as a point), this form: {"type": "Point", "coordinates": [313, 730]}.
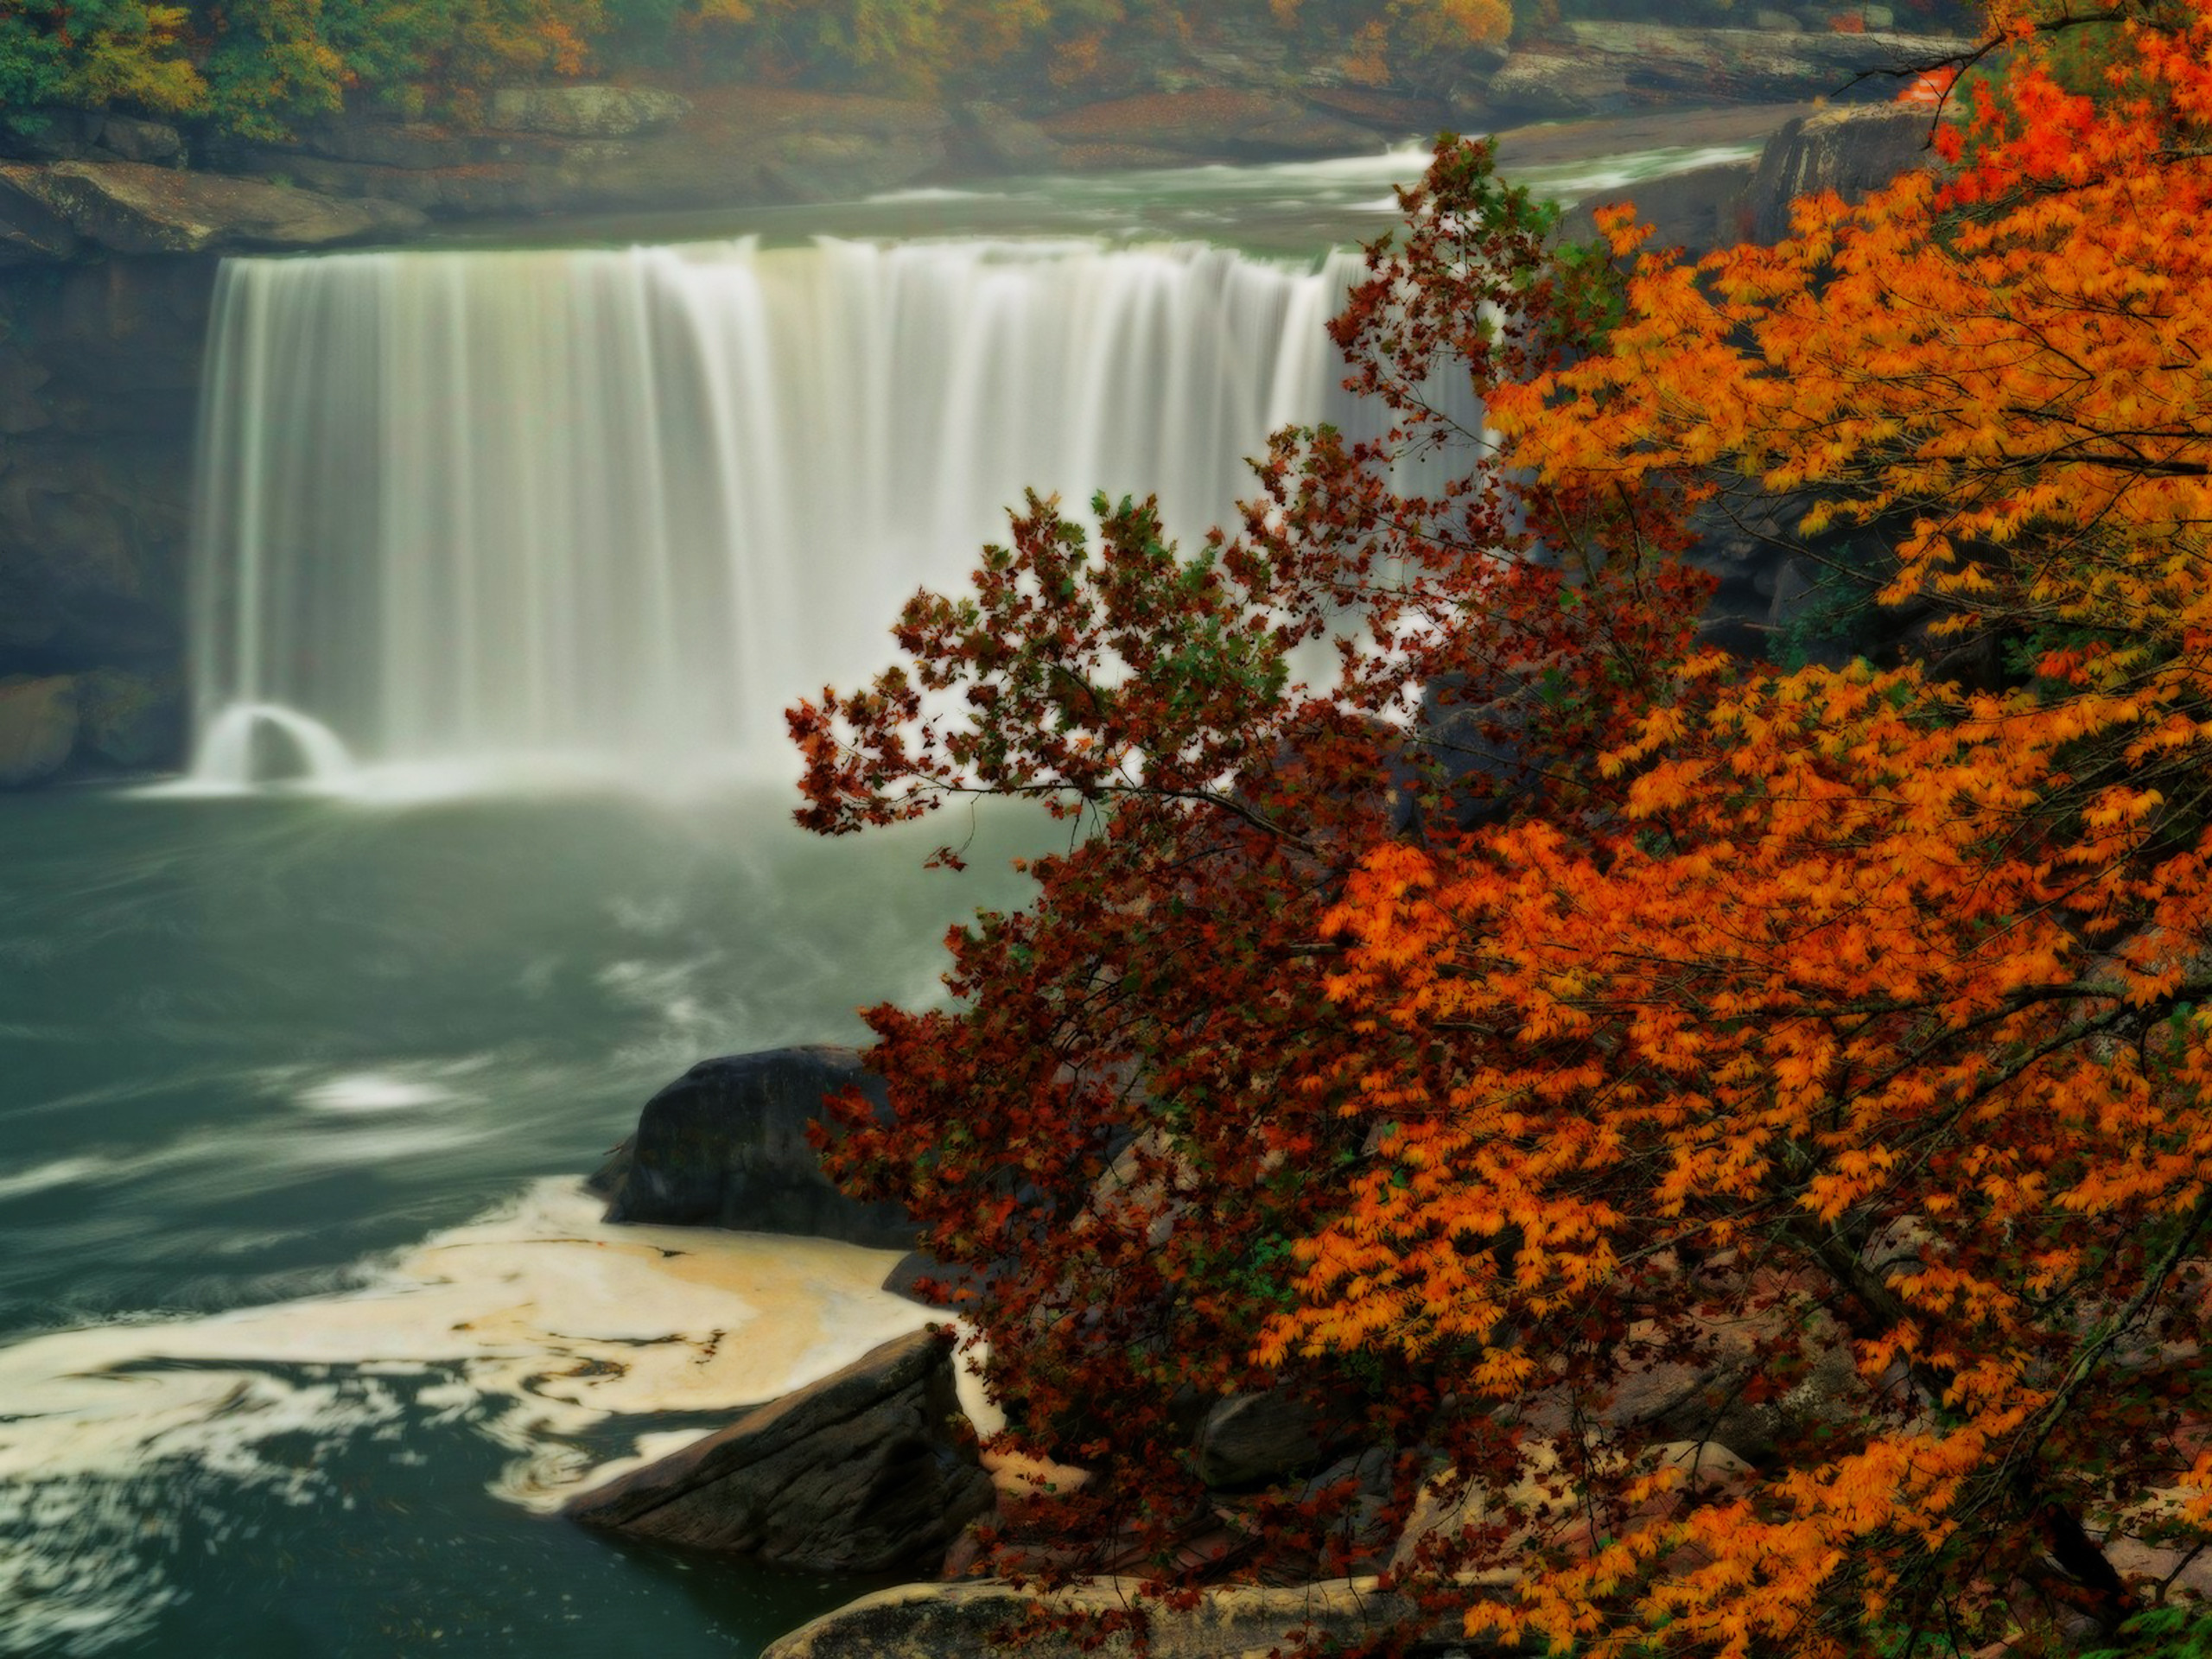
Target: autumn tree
{"type": "Point", "coordinates": [73, 51]}
{"type": "Point", "coordinates": [1116, 1122]}
{"type": "Point", "coordinates": [1838, 1036]}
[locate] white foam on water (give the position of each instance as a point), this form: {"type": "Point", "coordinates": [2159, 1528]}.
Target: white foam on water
{"type": "Point", "coordinates": [61, 1172]}
{"type": "Point", "coordinates": [535, 1325]}
{"type": "Point", "coordinates": [372, 1091]}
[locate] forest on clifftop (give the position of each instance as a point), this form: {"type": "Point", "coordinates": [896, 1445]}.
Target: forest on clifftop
{"type": "Point", "coordinates": [258, 67]}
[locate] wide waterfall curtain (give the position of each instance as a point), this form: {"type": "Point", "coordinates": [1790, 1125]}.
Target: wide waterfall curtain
{"type": "Point", "coordinates": [626, 504]}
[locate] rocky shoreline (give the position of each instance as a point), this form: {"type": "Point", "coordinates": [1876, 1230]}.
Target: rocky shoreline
{"type": "Point", "coordinates": [876, 1468]}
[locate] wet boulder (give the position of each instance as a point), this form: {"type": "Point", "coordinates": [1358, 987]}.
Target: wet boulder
{"type": "Point", "coordinates": [726, 1146]}
{"type": "Point", "coordinates": [868, 1471]}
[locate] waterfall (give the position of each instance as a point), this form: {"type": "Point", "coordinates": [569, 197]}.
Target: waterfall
{"type": "Point", "coordinates": [621, 506]}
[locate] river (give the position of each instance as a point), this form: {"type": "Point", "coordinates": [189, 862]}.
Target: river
{"type": "Point", "coordinates": [305, 1325]}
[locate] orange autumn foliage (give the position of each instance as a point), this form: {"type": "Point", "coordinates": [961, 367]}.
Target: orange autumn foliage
{"type": "Point", "coordinates": [1887, 984]}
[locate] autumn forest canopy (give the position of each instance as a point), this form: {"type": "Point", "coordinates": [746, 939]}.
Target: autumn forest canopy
{"type": "Point", "coordinates": [1467, 1048]}
{"type": "Point", "coordinates": [259, 66]}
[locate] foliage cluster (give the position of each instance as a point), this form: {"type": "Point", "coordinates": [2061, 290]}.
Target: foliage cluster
{"type": "Point", "coordinates": [1545, 1001]}
{"type": "Point", "coordinates": [255, 67]}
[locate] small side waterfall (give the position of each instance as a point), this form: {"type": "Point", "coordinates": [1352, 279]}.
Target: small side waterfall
{"type": "Point", "coordinates": [622, 506]}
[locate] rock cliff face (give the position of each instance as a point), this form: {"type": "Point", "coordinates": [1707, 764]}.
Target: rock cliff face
{"type": "Point", "coordinates": [99, 376]}
{"type": "Point", "coordinates": [1613, 69]}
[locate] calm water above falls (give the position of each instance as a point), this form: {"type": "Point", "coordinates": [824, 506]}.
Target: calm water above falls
{"type": "Point", "coordinates": [303, 1323]}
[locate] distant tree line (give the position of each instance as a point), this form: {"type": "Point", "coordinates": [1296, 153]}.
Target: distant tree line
{"type": "Point", "coordinates": [257, 67]}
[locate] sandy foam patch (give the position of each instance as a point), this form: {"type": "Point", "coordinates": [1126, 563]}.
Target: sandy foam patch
{"type": "Point", "coordinates": [541, 1311]}
{"type": "Point", "coordinates": [533, 1326]}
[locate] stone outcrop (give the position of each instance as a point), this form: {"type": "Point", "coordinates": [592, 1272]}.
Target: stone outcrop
{"type": "Point", "coordinates": [1853, 152]}
{"type": "Point", "coordinates": [866, 1471]}
{"type": "Point", "coordinates": [134, 208]}
{"type": "Point", "coordinates": [616, 149]}
{"type": "Point", "coordinates": [1607, 68]}
{"type": "Point", "coordinates": [1213, 124]}
{"type": "Point", "coordinates": [586, 112]}
{"type": "Point", "coordinates": [933, 1621]}
{"type": "Point", "coordinates": [726, 1146]}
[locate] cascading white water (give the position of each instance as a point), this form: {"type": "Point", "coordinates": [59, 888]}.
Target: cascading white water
{"type": "Point", "coordinates": [625, 505]}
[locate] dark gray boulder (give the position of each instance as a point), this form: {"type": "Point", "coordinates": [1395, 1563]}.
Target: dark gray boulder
{"type": "Point", "coordinates": [964, 1283]}
{"type": "Point", "coordinates": [1249, 1439]}
{"type": "Point", "coordinates": [1472, 757]}
{"type": "Point", "coordinates": [726, 1146]}
{"type": "Point", "coordinates": [134, 139]}
{"type": "Point", "coordinates": [868, 1470]}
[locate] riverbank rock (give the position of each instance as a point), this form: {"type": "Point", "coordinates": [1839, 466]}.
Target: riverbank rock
{"type": "Point", "coordinates": [997, 138]}
{"type": "Point", "coordinates": [586, 112]}
{"type": "Point", "coordinates": [936, 1621]}
{"type": "Point", "coordinates": [131, 208]}
{"type": "Point", "coordinates": [1603, 68]}
{"type": "Point", "coordinates": [1212, 123]}
{"type": "Point", "coordinates": [725, 1145]}
{"type": "Point", "coordinates": [868, 1470]}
